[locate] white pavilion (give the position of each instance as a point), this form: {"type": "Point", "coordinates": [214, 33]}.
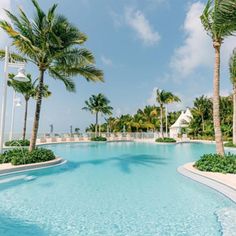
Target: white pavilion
{"type": "Point", "coordinates": [182, 122]}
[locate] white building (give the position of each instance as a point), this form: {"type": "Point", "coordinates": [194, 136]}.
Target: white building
{"type": "Point", "coordinates": [182, 122]}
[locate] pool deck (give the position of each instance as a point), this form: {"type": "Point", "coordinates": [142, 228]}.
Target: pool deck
{"type": "Point", "coordinates": [223, 183]}
{"type": "Point", "coordinates": [8, 168]}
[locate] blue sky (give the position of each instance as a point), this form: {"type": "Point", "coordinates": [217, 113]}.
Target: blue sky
{"type": "Point", "coordinates": [141, 45]}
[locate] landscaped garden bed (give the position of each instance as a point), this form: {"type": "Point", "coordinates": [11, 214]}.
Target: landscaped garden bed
{"type": "Point", "coordinates": [99, 139]}
{"type": "Point", "coordinates": [230, 144]}
{"type": "Point", "coordinates": [21, 156]}
{"type": "Point", "coordinates": [217, 163]}
{"type": "Point", "coordinates": [17, 143]}
{"type": "Point", "coordinates": [165, 140]}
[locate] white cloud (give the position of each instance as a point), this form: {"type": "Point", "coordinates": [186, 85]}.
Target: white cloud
{"type": "Point", "coordinates": [140, 24]}
{"type": "Point", "coordinates": [5, 4]}
{"type": "Point", "coordinates": [196, 50]}
{"type": "Point", "coordinates": [106, 61]}
{"type": "Point", "coordinates": [152, 99]}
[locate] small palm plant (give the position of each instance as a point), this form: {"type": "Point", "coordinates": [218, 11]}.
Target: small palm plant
{"type": "Point", "coordinates": [98, 104]}
{"type": "Point", "coordinates": [53, 44]}
{"type": "Point", "coordinates": [218, 19]}
{"type": "Point", "coordinates": [232, 70]}
{"type": "Point", "coordinates": [28, 90]}
{"type": "Point", "coordinates": [163, 98]}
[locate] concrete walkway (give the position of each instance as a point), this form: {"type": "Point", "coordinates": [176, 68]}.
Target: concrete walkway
{"type": "Point", "coordinates": [223, 183]}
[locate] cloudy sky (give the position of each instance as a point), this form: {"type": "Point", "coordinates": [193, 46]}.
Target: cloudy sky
{"type": "Point", "coordinates": [141, 45]}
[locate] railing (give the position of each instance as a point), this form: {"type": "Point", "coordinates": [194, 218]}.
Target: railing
{"type": "Point", "coordinates": [57, 137]}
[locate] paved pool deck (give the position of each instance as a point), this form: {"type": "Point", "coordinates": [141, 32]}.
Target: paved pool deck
{"type": "Point", "coordinates": [223, 183]}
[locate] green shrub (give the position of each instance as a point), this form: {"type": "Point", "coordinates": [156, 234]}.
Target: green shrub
{"type": "Point", "coordinates": [217, 163]}
{"type": "Point", "coordinates": [99, 138]}
{"type": "Point", "coordinates": [230, 144]}
{"type": "Point", "coordinates": [165, 140]}
{"type": "Point", "coordinates": [17, 143]}
{"type": "Point", "coordinates": [20, 156]}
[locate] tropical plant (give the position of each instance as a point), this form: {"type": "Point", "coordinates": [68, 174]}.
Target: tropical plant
{"type": "Point", "coordinates": [165, 140]}
{"type": "Point", "coordinates": [98, 104]}
{"type": "Point", "coordinates": [215, 163]}
{"type": "Point", "coordinates": [17, 142]}
{"type": "Point", "coordinates": [202, 110]}
{"type": "Point", "coordinates": [163, 98]}
{"type": "Point", "coordinates": [28, 90]}
{"type": "Point", "coordinates": [50, 42]}
{"type": "Point", "coordinates": [21, 156]}
{"type": "Point", "coordinates": [218, 19]}
{"type": "Point", "coordinates": [98, 139]}
{"type": "Point", "coordinates": [232, 70]}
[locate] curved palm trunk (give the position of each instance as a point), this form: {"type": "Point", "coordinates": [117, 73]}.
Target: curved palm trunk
{"type": "Point", "coordinates": [234, 115]}
{"type": "Point", "coordinates": [25, 119]}
{"type": "Point", "coordinates": [216, 101]}
{"type": "Point", "coordinates": [37, 113]}
{"type": "Point", "coordinates": [161, 128]}
{"type": "Point", "coordinates": [96, 125]}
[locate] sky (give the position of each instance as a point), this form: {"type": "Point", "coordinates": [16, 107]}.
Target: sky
{"type": "Point", "coordinates": [141, 45]}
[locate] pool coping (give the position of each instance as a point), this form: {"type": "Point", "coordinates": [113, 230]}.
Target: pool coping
{"type": "Point", "coordinates": [210, 179]}
{"type": "Point", "coordinates": [6, 169]}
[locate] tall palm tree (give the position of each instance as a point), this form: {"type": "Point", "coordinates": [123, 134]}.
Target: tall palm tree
{"type": "Point", "coordinates": [232, 70]}
{"type": "Point", "coordinates": [163, 98]}
{"type": "Point", "coordinates": [98, 104]}
{"type": "Point", "coordinates": [28, 90]}
{"type": "Point", "coordinates": [51, 42]}
{"type": "Point", "coordinates": [218, 19]}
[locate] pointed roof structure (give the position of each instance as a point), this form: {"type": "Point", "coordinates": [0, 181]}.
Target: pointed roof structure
{"type": "Point", "coordinates": [183, 119]}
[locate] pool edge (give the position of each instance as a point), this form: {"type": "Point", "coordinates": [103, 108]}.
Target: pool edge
{"type": "Point", "coordinates": [220, 187]}
{"type": "Point", "coordinates": [31, 167]}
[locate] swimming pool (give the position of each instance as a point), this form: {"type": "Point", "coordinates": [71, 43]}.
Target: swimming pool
{"type": "Point", "coordinates": [113, 189]}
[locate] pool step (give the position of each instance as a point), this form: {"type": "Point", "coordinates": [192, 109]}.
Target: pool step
{"type": "Point", "coordinates": [227, 220]}
{"type": "Point", "coordinates": [17, 178]}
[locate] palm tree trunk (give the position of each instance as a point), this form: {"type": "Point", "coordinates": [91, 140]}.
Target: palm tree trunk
{"type": "Point", "coordinates": [25, 119]}
{"type": "Point", "coordinates": [234, 115]}
{"type": "Point", "coordinates": [161, 128]}
{"type": "Point", "coordinates": [216, 101]}
{"type": "Point", "coordinates": [203, 124]}
{"type": "Point", "coordinates": [37, 113]}
{"type": "Point", "coordinates": [96, 125]}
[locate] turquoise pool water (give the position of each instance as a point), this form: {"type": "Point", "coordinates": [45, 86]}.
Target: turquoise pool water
{"type": "Point", "coordinates": [114, 189]}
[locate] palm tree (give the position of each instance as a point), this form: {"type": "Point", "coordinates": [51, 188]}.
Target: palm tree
{"type": "Point", "coordinates": [232, 70]}
{"type": "Point", "coordinates": [51, 42]}
{"type": "Point", "coordinates": [28, 90]}
{"type": "Point", "coordinates": [202, 108]}
{"type": "Point", "coordinates": [98, 104]}
{"type": "Point", "coordinates": [218, 19]}
{"type": "Point", "coordinates": [163, 98]}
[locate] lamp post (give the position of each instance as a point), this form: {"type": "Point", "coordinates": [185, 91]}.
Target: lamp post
{"type": "Point", "coordinates": [166, 122]}
{"type": "Point", "coordinates": [51, 130]}
{"type": "Point", "coordinates": [71, 130]}
{"type": "Point", "coordinates": [16, 103]}
{"type": "Point", "coordinates": [19, 77]}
